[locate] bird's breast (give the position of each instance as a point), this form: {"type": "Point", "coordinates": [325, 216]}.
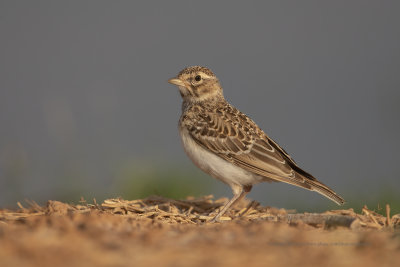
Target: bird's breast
{"type": "Point", "coordinates": [214, 165]}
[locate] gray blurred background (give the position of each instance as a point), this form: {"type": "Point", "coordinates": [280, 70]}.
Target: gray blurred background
{"type": "Point", "coordinates": [85, 109]}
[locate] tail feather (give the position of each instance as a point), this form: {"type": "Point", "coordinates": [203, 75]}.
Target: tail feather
{"type": "Point", "coordinates": [324, 190]}
{"type": "Point", "coordinates": [311, 184]}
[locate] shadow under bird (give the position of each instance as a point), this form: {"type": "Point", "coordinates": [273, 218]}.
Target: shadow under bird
{"type": "Point", "coordinates": [228, 145]}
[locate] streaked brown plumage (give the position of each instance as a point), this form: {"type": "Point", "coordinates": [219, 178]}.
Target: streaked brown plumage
{"type": "Point", "coordinates": [228, 145]}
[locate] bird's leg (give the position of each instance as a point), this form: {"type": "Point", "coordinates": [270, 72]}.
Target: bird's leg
{"type": "Point", "coordinates": [239, 191]}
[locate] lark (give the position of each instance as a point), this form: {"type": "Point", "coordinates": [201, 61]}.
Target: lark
{"type": "Point", "coordinates": [228, 145]}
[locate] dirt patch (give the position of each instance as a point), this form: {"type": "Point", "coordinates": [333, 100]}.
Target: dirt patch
{"type": "Point", "coordinates": [165, 232]}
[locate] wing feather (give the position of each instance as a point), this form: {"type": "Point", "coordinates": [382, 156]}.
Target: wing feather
{"type": "Point", "coordinates": [234, 137]}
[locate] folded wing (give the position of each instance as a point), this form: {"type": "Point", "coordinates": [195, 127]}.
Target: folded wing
{"type": "Point", "coordinates": [234, 137]}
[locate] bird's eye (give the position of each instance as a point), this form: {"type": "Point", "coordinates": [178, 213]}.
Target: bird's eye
{"type": "Point", "coordinates": [197, 78]}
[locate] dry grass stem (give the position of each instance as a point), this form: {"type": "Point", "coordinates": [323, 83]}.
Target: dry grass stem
{"type": "Point", "coordinates": [201, 210]}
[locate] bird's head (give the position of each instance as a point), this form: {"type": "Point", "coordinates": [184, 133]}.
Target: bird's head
{"type": "Point", "coordinates": [197, 84]}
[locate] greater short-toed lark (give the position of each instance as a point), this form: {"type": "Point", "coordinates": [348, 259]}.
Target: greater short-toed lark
{"type": "Point", "coordinates": [228, 145]}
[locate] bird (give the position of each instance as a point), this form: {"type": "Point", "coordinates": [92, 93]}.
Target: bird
{"type": "Point", "coordinates": [229, 146]}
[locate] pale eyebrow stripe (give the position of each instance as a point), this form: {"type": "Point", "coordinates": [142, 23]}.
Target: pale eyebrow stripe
{"type": "Point", "coordinates": [202, 74]}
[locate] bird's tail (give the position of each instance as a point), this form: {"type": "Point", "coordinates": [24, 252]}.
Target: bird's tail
{"type": "Point", "coordinates": [324, 190]}
{"type": "Point", "coordinates": [310, 183]}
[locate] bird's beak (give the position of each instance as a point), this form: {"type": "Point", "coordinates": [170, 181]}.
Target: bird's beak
{"type": "Point", "coordinates": [176, 81]}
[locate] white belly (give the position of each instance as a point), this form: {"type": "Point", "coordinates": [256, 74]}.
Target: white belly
{"type": "Point", "coordinates": [216, 166]}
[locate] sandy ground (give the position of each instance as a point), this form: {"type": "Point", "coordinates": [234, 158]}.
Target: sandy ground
{"type": "Point", "coordinates": [162, 232]}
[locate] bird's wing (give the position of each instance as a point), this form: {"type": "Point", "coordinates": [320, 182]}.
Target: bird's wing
{"type": "Point", "coordinates": [234, 137]}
